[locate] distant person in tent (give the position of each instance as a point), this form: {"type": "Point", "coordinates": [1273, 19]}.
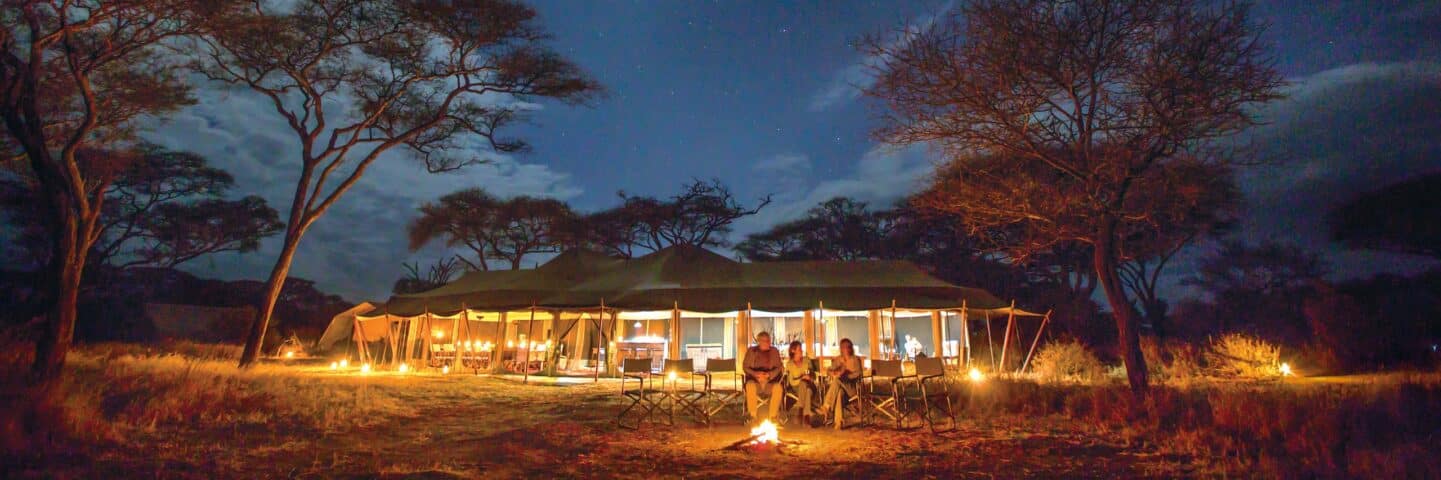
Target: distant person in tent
{"type": "Point", "coordinates": [913, 347]}
{"type": "Point", "coordinates": [763, 376]}
{"type": "Point", "coordinates": [801, 380]}
{"type": "Point", "coordinates": [846, 369]}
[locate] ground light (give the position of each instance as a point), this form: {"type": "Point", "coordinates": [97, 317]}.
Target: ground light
{"type": "Point", "coordinates": [365, 368]}
{"type": "Point", "coordinates": [345, 363]}
{"type": "Point", "coordinates": [1285, 369]}
{"type": "Point", "coordinates": [444, 369]}
{"type": "Point", "coordinates": [334, 366]}
{"type": "Point", "coordinates": [975, 375]}
{"type": "Point", "coordinates": [403, 368]}
{"type": "Point", "coordinates": [290, 354]}
{"type": "Point", "coordinates": [671, 375]}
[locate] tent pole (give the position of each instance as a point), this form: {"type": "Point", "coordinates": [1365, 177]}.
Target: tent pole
{"type": "Point", "coordinates": [965, 352]}
{"type": "Point", "coordinates": [455, 336]}
{"type": "Point", "coordinates": [425, 337]}
{"type": "Point", "coordinates": [529, 330]}
{"type": "Point", "coordinates": [675, 333]}
{"type": "Point", "coordinates": [893, 329]}
{"type": "Point", "coordinates": [599, 328]}
{"type": "Point", "coordinates": [1044, 320]}
{"type": "Point", "coordinates": [497, 360]}
{"type": "Point", "coordinates": [990, 341]}
{"type": "Point", "coordinates": [1006, 343]}
{"type": "Point", "coordinates": [821, 347]}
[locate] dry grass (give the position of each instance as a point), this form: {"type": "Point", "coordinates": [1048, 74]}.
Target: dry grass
{"type": "Point", "coordinates": [1243, 356]}
{"type": "Point", "coordinates": [1068, 361]}
{"type": "Point", "coordinates": [129, 412]}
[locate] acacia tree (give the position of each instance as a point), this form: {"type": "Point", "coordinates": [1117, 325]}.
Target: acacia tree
{"type": "Point", "coordinates": [507, 230]}
{"type": "Point", "coordinates": [75, 76]}
{"type": "Point", "coordinates": [838, 229]}
{"type": "Point", "coordinates": [1203, 201]}
{"type": "Point", "coordinates": [439, 273]}
{"type": "Point", "coordinates": [701, 215]}
{"type": "Point", "coordinates": [1053, 113]}
{"type": "Point", "coordinates": [354, 80]}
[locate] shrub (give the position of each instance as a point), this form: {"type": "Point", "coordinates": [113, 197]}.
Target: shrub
{"type": "Point", "coordinates": [1244, 356]}
{"type": "Point", "coordinates": [1068, 361]}
{"type": "Point", "coordinates": [1179, 361]}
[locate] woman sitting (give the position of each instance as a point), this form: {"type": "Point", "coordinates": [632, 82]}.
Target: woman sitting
{"type": "Point", "coordinates": [801, 380]}
{"type": "Point", "coordinates": [846, 370]}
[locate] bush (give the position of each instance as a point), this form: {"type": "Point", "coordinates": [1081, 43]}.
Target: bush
{"type": "Point", "coordinates": [1239, 355]}
{"type": "Point", "coordinates": [1179, 361]}
{"type": "Point", "coordinates": [1068, 361]}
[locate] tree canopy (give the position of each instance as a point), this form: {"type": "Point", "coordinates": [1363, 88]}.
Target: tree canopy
{"type": "Point", "coordinates": [1056, 117]}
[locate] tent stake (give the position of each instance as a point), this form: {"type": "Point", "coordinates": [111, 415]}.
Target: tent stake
{"type": "Point", "coordinates": [1044, 320]}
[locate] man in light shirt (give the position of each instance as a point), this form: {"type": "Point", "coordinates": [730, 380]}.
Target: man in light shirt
{"type": "Point", "coordinates": [763, 369]}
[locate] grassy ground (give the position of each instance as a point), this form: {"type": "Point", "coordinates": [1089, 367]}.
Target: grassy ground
{"type": "Point", "coordinates": [128, 413]}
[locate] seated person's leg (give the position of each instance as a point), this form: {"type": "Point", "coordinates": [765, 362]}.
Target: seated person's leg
{"type": "Point", "coordinates": [805, 392]}
{"type": "Point", "coordinates": [778, 396]}
{"type": "Point", "coordinates": [751, 399]}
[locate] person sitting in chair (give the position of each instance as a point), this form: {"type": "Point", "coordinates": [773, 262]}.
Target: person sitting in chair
{"type": "Point", "coordinates": [801, 379]}
{"type": "Point", "coordinates": [763, 376]}
{"type": "Point", "coordinates": [846, 369]}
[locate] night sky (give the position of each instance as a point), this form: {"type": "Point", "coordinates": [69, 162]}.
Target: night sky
{"type": "Point", "coordinates": [761, 96]}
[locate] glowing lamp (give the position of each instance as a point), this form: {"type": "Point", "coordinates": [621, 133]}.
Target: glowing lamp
{"type": "Point", "coordinates": [444, 369]}
{"type": "Point", "coordinates": [344, 363]}
{"type": "Point", "coordinates": [637, 324]}
{"type": "Point", "coordinates": [1285, 369]}
{"type": "Point", "coordinates": [403, 368]}
{"type": "Point", "coordinates": [975, 375]}
{"type": "Point", "coordinates": [509, 344]}
{"type": "Point", "coordinates": [438, 334]}
{"type": "Point", "coordinates": [334, 365]}
{"type": "Point", "coordinates": [671, 375]}
{"type": "Point", "coordinates": [365, 368]}
{"type": "Point", "coordinates": [290, 354]}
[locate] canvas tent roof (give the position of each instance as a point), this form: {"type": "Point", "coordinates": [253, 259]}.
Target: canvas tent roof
{"type": "Point", "coordinates": [696, 279]}
{"type": "Point", "coordinates": [342, 326]}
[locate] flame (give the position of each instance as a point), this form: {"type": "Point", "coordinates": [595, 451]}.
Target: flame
{"type": "Point", "coordinates": [765, 433]}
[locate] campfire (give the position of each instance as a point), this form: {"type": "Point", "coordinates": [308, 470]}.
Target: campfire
{"type": "Point", "coordinates": [764, 437]}
{"type": "Point", "coordinates": [765, 433]}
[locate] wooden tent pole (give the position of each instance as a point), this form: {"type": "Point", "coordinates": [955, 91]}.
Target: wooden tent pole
{"type": "Point", "coordinates": [529, 331]}
{"type": "Point", "coordinates": [455, 336]}
{"type": "Point", "coordinates": [1044, 320]}
{"type": "Point", "coordinates": [893, 328]}
{"type": "Point", "coordinates": [497, 360]}
{"type": "Point", "coordinates": [965, 352]}
{"type": "Point", "coordinates": [821, 324]}
{"type": "Point", "coordinates": [990, 341]}
{"type": "Point", "coordinates": [600, 328]}
{"type": "Point", "coordinates": [1006, 343]}
{"type": "Point", "coordinates": [938, 334]}
{"type": "Point", "coordinates": [675, 334]}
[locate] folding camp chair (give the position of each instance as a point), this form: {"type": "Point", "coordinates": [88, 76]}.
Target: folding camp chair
{"type": "Point", "coordinates": [719, 392]}
{"type": "Point", "coordinates": [643, 396]}
{"type": "Point", "coordinates": [441, 354]}
{"type": "Point", "coordinates": [884, 389]}
{"type": "Point", "coordinates": [680, 392]}
{"type": "Point", "coordinates": [793, 398]}
{"type": "Point", "coordinates": [935, 392]}
{"type": "Point", "coordinates": [853, 400]}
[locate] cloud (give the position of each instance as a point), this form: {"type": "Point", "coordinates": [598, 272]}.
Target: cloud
{"type": "Point", "coordinates": [882, 176]}
{"type": "Point", "coordinates": [846, 84]}
{"type": "Point", "coordinates": [1339, 133]}
{"type": "Point", "coordinates": [357, 247]}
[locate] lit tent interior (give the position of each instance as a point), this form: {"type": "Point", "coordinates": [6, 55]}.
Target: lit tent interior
{"type": "Point", "coordinates": [582, 312]}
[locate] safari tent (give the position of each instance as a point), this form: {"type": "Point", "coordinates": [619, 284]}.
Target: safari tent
{"type": "Point", "coordinates": [583, 311]}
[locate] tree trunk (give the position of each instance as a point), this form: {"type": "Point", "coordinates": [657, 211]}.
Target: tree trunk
{"type": "Point", "coordinates": [67, 263]}
{"type": "Point", "coordinates": [256, 339]}
{"type": "Point", "coordinates": [1126, 318]}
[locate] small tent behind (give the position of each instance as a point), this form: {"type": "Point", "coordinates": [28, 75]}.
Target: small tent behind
{"type": "Point", "coordinates": [341, 327]}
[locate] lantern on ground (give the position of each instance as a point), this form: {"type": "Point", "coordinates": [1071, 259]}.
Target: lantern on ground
{"type": "Point", "coordinates": [403, 368]}
{"type": "Point", "coordinates": [975, 375]}
{"type": "Point", "coordinates": [345, 363]}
